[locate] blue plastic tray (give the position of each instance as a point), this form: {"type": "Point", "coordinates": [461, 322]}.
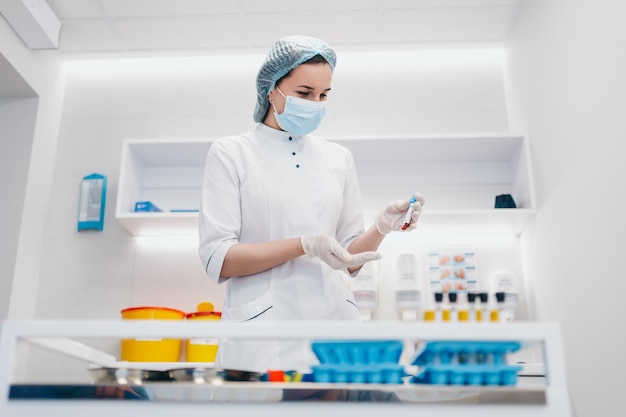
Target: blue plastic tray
{"type": "Point", "coordinates": [465, 352]}
{"type": "Point", "coordinates": [359, 374]}
{"type": "Point", "coordinates": [468, 375]}
{"type": "Point", "coordinates": [374, 362]}
{"type": "Point", "coordinates": [466, 363]}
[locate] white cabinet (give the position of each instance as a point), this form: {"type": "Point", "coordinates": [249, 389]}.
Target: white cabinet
{"type": "Point", "coordinates": [532, 395]}
{"type": "Point", "coordinates": [459, 175]}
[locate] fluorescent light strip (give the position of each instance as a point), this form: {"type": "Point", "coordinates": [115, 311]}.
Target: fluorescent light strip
{"type": "Point", "coordinates": [167, 242]}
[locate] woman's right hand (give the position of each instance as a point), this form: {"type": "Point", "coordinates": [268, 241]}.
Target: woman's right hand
{"type": "Point", "coordinates": [330, 251]}
{"type": "Point", "coordinates": [391, 218]}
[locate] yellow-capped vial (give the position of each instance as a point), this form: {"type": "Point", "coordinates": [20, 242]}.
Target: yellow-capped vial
{"type": "Point", "coordinates": [463, 315]}
{"type": "Point", "coordinates": [494, 316]}
{"type": "Point", "coordinates": [439, 307]}
{"type": "Point", "coordinates": [452, 307]}
{"type": "Point", "coordinates": [500, 298]}
{"type": "Point", "coordinates": [481, 314]}
{"type": "Point", "coordinates": [429, 315]}
{"type": "Point", "coordinates": [446, 315]}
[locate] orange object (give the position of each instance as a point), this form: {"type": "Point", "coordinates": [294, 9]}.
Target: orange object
{"type": "Point", "coordinates": [276, 376]}
{"type": "Point", "coordinates": [202, 349]}
{"type": "Point", "coordinates": [151, 350]}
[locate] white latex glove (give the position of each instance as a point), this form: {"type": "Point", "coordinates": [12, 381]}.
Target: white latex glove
{"type": "Point", "coordinates": [330, 251]}
{"type": "Point", "coordinates": [392, 218]}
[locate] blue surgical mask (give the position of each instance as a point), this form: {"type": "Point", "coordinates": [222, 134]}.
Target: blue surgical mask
{"type": "Point", "coordinates": [300, 116]}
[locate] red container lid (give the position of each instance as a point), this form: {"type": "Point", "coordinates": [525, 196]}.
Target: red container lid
{"type": "Point", "coordinates": [153, 308]}
{"type": "Point", "coordinates": [204, 314]}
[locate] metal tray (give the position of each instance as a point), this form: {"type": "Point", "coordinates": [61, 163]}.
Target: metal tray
{"type": "Point", "coordinates": [214, 376]}
{"type": "Point", "coordinates": [124, 376]}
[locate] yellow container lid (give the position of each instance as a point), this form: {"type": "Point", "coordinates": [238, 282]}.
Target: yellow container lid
{"type": "Point", "coordinates": [204, 315]}
{"type": "Point", "coordinates": [205, 306]}
{"type": "Point", "coordinates": [151, 312]}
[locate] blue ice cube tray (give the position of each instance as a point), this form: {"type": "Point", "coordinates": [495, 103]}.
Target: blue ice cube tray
{"type": "Point", "coordinates": [366, 362]}
{"type": "Point", "coordinates": [466, 363]}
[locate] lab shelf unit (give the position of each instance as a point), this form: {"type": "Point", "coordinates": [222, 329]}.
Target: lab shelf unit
{"type": "Point", "coordinates": [167, 173]}
{"type": "Point", "coordinates": [460, 176]}
{"type": "Point", "coordinates": [265, 398]}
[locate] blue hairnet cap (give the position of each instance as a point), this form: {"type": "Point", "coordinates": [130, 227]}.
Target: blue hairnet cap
{"type": "Point", "coordinates": [286, 54]}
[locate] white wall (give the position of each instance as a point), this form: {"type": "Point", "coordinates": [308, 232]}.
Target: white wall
{"type": "Point", "coordinates": [31, 159]}
{"type": "Point", "coordinates": [568, 61]}
{"type": "Point", "coordinates": [96, 274]}
{"type": "Point", "coordinates": [17, 123]}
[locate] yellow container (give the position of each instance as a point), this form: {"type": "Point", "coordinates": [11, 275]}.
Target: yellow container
{"type": "Point", "coordinates": [151, 350]}
{"type": "Point", "coordinates": [202, 349]}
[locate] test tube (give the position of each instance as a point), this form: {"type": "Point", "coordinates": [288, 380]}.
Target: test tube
{"type": "Point", "coordinates": [409, 213]}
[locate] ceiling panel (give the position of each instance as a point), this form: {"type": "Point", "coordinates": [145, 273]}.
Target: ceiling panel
{"type": "Point", "coordinates": [420, 4]}
{"type": "Point", "coordinates": [336, 29]}
{"type": "Point", "coordinates": [213, 26]}
{"type": "Point", "coordinates": [89, 36]}
{"type": "Point", "coordinates": [318, 6]}
{"type": "Point", "coordinates": [197, 33]}
{"type": "Point", "coordinates": [446, 25]}
{"type": "Point", "coordinates": [165, 8]}
{"type": "Point", "coordinates": [76, 9]}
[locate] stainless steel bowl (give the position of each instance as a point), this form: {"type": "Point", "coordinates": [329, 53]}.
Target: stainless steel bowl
{"type": "Point", "coordinates": [214, 376]}
{"type": "Point", "coordinates": [123, 376]}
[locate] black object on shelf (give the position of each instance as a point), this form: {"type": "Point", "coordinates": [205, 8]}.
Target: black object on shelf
{"type": "Point", "coordinates": [505, 201]}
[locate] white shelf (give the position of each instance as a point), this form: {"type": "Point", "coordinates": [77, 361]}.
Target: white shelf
{"type": "Point", "coordinates": [460, 176]}
{"type": "Point", "coordinates": [511, 221]}
{"type": "Point", "coordinates": [159, 224]}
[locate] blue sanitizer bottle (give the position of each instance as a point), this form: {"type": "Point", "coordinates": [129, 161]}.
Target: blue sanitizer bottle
{"type": "Point", "coordinates": [92, 201]}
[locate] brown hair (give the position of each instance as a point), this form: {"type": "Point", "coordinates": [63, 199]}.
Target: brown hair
{"type": "Point", "coordinates": [316, 59]}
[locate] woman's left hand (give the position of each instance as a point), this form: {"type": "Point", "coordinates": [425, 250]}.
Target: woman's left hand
{"type": "Point", "coordinates": [330, 251]}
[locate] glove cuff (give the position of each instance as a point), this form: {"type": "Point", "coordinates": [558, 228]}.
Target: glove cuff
{"type": "Point", "coordinates": [303, 243]}
{"type": "Point", "coordinates": [380, 231]}
{"type": "Point", "coordinates": [377, 223]}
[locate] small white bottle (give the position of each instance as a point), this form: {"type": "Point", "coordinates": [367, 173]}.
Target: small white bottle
{"type": "Point", "coordinates": [408, 295]}
{"type": "Point", "coordinates": [365, 290]}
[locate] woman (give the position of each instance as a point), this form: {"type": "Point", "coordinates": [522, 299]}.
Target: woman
{"type": "Point", "coordinates": [281, 221]}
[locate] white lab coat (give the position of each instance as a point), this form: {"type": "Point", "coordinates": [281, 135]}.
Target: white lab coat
{"type": "Point", "coordinates": [267, 185]}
